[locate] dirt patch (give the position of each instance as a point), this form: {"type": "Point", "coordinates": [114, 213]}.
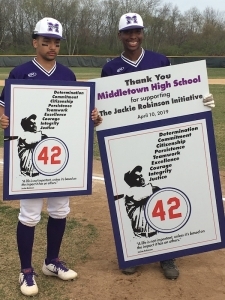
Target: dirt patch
{"type": "Point", "coordinates": [216, 81]}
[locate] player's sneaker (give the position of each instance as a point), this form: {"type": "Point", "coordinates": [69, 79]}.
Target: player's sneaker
{"type": "Point", "coordinates": [58, 268]}
{"type": "Point", "coordinates": [169, 268]}
{"type": "Point", "coordinates": [28, 285]}
{"type": "Point", "coordinates": [129, 271]}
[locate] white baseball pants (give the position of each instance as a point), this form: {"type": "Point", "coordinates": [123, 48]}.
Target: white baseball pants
{"type": "Point", "coordinates": [30, 209]}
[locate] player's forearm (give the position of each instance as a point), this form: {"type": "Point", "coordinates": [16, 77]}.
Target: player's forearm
{"type": "Point", "coordinates": [2, 110]}
{"type": "Point", "coordinates": [4, 120]}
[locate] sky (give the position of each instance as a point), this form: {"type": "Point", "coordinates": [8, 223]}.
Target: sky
{"type": "Point", "coordinates": [185, 5]}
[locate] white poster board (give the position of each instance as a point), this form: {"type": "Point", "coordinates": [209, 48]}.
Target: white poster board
{"type": "Point", "coordinates": [160, 166]}
{"type": "Point", "coordinates": [48, 146]}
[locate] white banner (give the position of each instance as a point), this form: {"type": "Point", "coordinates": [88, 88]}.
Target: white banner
{"type": "Point", "coordinates": [159, 160]}
{"type": "Point", "coordinates": [48, 145]}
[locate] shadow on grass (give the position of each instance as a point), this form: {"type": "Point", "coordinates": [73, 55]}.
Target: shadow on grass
{"type": "Point", "coordinates": [78, 237]}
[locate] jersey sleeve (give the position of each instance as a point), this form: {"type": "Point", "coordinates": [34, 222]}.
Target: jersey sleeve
{"type": "Point", "coordinates": [2, 102]}
{"type": "Point", "coordinates": [73, 77]}
{"type": "Point", "coordinates": [104, 73]}
{"type": "Point", "coordinates": [109, 69]}
{"type": "Point", "coordinates": [2, 96]}
{"type": "Point", "coordinates": [69, 74]}
{"type": "Point", "coordinates": [168, 63]}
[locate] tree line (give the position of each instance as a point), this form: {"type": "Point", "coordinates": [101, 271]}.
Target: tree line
{"type": "Point", "coordinates": [91, 26]}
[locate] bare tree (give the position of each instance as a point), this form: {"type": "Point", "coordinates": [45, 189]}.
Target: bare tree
{"type": "Point", "coordinates": [91, 26]}
{"type": "Point", "coordinates": [3, 21]}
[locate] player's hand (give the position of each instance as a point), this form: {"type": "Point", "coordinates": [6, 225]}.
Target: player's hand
{"type": "Point", "coordinates": [4, 120]}
{"type": "Point", "coordinates": [209, 101]}
{"type": "Point", "coordinates": [96, 117]}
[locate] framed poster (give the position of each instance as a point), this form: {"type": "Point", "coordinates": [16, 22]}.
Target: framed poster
{"type": "Point", "coordinates": [160, 165]}
{"type": "Point", "coordinates": [48, 146]}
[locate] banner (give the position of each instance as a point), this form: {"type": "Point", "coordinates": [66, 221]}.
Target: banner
{"type": "Point", "coordinates": [48, 146]}
{"type": "Point", "coordinates": [160, 166]}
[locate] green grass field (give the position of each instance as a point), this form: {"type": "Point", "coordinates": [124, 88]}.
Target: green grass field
{"type": "Point", "coordinates": [218, 92]}
{"type": "Point", "coordinates": [90, 73]}
{"type": "Point", "coordinates": [216, 73]}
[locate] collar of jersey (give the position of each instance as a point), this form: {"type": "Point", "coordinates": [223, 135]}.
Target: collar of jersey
{"type": "Point", "coordinates": [134, 63]}
{"type": "Point", "coordinates": [48, 73]}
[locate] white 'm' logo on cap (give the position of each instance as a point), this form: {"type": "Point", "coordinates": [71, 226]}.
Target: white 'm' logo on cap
{"type": "Point", "coordinates": [52, 27]}
{"type": "Point", "coordinates": [131, 19]}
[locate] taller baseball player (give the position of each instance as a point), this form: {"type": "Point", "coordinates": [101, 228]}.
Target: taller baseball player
{"type": "Point", "coordinates": [133, 59]}
{"type": "Point", "coordinates": [46, 41]}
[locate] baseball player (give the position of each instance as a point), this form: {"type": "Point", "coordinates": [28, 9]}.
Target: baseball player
{"type": "Point", "coordinates": [46, 41]}
{"type": "Point", "coordinates": [134, 58]}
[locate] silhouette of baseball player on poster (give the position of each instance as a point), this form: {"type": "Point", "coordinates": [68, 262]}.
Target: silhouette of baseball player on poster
{"type": "Point", "coordinates": [26, 144]}
{"type": "Point", "coordinates": [135, 200]}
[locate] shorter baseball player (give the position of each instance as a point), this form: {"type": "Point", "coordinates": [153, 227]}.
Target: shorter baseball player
{"type": "Point", "coordinates": [46, 41]}
{"type": "Point", "coordinates": [134, 58]}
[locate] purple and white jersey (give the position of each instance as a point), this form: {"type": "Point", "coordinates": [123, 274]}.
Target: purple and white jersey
{"type": "Point", "coordinates": [32, 70]}
{"type": "Point", "coordinates": [147, 60]}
